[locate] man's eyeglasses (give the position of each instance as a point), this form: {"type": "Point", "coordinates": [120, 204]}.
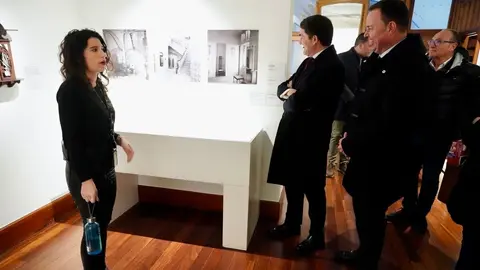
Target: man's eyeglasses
{"type": "Point", "coordinates": [437, 42]}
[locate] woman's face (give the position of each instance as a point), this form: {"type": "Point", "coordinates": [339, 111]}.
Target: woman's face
{"type": "Point", "coordinates": [95, 56]}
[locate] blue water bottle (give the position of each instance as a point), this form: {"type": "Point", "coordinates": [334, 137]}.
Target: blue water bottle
{"type": "Point", "coordinates": [93, 239]}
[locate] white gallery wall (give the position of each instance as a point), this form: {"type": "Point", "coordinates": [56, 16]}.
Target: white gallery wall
{"type": "Point", "coordinates": [192, 106]}
{"type": "Point", "coordinates": [31, 165]}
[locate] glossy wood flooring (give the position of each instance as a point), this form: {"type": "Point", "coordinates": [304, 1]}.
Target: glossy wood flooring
{"type": "Point", "coordinates": [150, 237]}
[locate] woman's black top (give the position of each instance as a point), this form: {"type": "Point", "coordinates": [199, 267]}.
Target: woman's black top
{"type": "Point", "coordinates": [87, 119]}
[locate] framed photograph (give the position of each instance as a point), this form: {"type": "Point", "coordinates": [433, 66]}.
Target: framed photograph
{"type": "Point", "coordinates": [177, 60]}
{"type": "Point", "coordinates": [233, 56]}
{"type": "Point", "coordinates": [7, 68]}
{"type": "Point", "coordinates": [128, 49]}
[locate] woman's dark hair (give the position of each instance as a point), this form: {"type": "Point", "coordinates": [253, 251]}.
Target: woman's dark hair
{"type": "Point", "coordinates": [72, 54]}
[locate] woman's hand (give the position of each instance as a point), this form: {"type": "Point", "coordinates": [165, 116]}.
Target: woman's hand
{"type": "Point", "coordinates": [89, 191]}
{"type": "Point", "coordinates": [127, 148]}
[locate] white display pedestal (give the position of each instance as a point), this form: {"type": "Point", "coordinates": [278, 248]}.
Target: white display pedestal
{"type": "Point", "coordinates": [230, 157]}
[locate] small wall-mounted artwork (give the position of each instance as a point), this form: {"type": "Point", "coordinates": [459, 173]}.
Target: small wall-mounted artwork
{"type": "Point", "coordinates": [233, 56]}
{"type": "Point", "coordinates": [7, 68]}
{"type": "Point", "coordinates": [128, 49]}
{"type": "Point", "coordinates": [177, 59]}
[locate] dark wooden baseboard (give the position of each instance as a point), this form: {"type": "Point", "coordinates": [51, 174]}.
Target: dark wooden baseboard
{"type": "Point", "coordinates": [201, 201]}
{"type": "Point", "coordinates": [64, 207]}
{"type": "Point", "coordinates": [20, 230]}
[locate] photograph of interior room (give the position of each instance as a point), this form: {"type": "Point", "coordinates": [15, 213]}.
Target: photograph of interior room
{"type": "Point", "coordinates": [233, 56]}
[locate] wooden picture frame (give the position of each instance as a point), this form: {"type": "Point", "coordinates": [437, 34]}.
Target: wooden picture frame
{"type": "Point", "coordinates": [7, 67]}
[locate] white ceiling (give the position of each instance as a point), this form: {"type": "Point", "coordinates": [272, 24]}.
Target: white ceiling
{"type": "Point", "coordinates": [346, 15]}
{"type": "Point", "coordinates": [346, 9]}
{"type": "Point", "coordinates": [303, 8]}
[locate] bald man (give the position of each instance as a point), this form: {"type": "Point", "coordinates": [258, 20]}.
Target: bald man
{"type": "Point", "coordinates": [456, 76]}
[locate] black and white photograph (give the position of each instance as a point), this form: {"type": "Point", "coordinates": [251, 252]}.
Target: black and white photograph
{"type": "Point", "coordinates": [233, 56]}
{"type": "Point", "coordinates": [129, 55]}
{"type": "Point", "coordinates": [178, 60]}
{"type": "Point", "coordinates": [5, 62]}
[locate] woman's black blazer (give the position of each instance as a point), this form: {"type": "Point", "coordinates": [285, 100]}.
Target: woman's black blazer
{"type": "Point", "coordinates": [87, 119]}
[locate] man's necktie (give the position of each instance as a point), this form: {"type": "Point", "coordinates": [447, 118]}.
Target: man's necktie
{"type": "Point", "coordinates": [307, 62]}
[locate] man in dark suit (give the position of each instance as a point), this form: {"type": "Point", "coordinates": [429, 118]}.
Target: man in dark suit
{"type": "Point", "coordinates": [386, 126]}
{"type": "Point", "coordinates": [351, 60]}
{"type": "Point", "coordinates": [299, 154]}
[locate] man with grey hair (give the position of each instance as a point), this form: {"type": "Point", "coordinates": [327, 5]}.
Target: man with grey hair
{"type": "Point", "coordinates": [457, 77]}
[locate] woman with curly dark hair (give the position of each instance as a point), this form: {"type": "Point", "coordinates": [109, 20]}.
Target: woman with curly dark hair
{"type": "Point", "coordinates": [90, 143]}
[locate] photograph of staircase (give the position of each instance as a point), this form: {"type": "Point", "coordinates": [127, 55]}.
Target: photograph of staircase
{"type": "Point", "coordinates": [180, 60]}
{"type": "Point", "coordinates": [176, 59]}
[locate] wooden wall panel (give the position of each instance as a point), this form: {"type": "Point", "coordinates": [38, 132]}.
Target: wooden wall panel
{"type": "Point", "coordinates": [465, 15]}
{"type": "Point", "coordinates": [14, 233]}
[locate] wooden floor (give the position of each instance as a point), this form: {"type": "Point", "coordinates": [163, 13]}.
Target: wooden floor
{"type": "Point", "coordinates": [151, 237]}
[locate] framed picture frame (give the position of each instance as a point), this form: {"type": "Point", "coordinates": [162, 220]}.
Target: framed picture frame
{"type": "Point", "coordinates": [7, 67]}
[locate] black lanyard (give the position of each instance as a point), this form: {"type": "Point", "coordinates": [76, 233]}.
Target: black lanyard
{"type": "Point", "coordinates": [109, 109]}
{"type": "Point", "coordinates": [103, 99]}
